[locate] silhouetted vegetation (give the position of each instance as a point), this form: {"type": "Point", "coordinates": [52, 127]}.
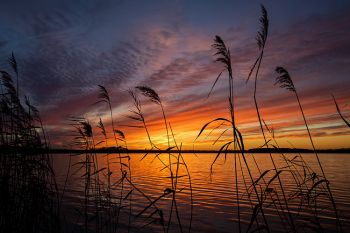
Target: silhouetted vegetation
{"type": "Point", "coordinates": [30, 200]}
{"type": "Point", "coordinates": [346, 121]}
{"type": "Point", "coordinates": [266, 192]}
{"type": "Point", "coordinates": [28, 191]}
{"type": "Point", "coordinates": [108, 197]}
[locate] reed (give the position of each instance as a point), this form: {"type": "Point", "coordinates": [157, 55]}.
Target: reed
{"type": "Point", "coordinates": [224, 57]}
{"type": "Point", "coordinates": [346, 121]}
{"type": "Point", "coordinates": [101, 202]}
{"type": "Point", "coordinates": [285, 81]}
{"type": "Point", "coordinates": [180, 162]}
{"type": "Point", "coordinates": [107, 196]}
{"type": "Point", "coordinates": [307, 185]}
{"type": "Point", "coordinates": [124, 167]}
{"type": "Point", "coordinates": [29, 200]}
{"type": "Point", "coordinates": [261, 41]}
{"type": "Point", "coordinates": [90, 173]}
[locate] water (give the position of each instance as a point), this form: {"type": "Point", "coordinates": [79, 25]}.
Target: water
{"type": "Point", "coordinates": [213, 192]}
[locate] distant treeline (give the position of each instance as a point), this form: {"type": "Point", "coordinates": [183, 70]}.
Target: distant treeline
{"type": "Point", "coordinates": [123, 150]}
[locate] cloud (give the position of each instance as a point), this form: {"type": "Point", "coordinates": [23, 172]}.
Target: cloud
{"type": "Point", "coordinates": [66, 49]}
{"type": "Point", "coordinates": [317, 61]}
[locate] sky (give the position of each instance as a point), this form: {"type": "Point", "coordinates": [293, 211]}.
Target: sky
{"type": "Point", "coordinates": [65, 49]}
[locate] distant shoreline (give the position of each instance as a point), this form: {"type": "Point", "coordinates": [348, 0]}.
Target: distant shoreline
{"type": "Point", "coordinates": [347, 150]}
{"type": "Point", "coordinates": [117, 150]}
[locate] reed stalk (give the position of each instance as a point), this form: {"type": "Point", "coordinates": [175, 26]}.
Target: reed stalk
{"type": "Point", "coordinates": [154, 97]}
{"type": "Point", "coordinates": [285, 81]}
{"type": "Point", "coordinates": [261, 41]}
{"type": "Point", "coordinates": [29, 193]}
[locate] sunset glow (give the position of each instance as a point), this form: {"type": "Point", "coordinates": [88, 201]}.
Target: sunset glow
{"type": "Point", "coordinates": [147, 116]}
{"type": "Point", "coordinates": [64, 56]}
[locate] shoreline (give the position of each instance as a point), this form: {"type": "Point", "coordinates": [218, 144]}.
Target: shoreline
{"type": "Point", "coordinates": [116, 150]}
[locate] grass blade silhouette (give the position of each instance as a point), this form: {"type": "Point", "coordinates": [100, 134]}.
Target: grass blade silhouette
{"type": "Point", "coordinates": [285, 81]}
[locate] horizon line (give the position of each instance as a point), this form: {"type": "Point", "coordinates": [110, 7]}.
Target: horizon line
{"type": "Point", "coordinates": [124, 150]}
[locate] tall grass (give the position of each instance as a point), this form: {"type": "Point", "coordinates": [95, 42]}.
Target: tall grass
{"type": "Point", "coordinates": [125, 169]}
{"type": "Point", "coordinates": [89, 166]}
{"type": "Point", "coordinates": [106, 198]}
{"type": "Point", "coordinates": [307, 185]}
{"type": "Point", "coordinates": [346, 121]}
{"type": "Point", "coordinates": [30, 199]}
{"type": "Point", "coordinates": [286, 82]}
{"type": "Point", "coordinates": [261, 41]}
{"type": "Point", "coordinates": [179, 160]}
{"type": "Point", "coordinates": [28, 192]}
{"type": "Point", "coordinates": [224, 56]}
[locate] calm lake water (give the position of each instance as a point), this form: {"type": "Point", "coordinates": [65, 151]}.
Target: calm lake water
{"type": "Point", "coordinates": [214, 202]}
